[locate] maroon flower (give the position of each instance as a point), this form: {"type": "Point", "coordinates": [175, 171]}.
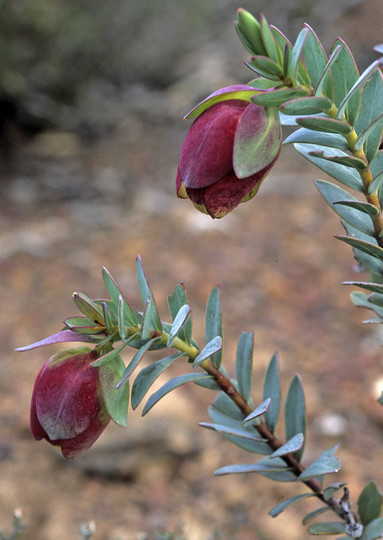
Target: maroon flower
{"type": "Point", "coordinates": [227, 153]}
{"type": "Point", "coordinates": [67, 407]}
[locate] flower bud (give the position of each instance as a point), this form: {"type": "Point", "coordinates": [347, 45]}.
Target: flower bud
{"type": "Point", "coordinates": [227, 153]}
{"type": "Point", "coordinates": [67, 407]}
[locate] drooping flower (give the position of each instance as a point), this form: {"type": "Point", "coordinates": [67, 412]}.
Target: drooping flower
{"type": "Point", "coordinates": [67, 407]}
{"type": "Point", "coordinates": [228, 152]}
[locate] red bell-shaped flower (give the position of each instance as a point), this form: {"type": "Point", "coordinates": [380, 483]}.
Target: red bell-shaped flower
{"type": "Point", "coordinates": [67, 407]}
{"type": "Point", "coordinates": [227, 153]}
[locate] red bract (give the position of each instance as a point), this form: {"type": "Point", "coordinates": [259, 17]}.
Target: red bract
{"type": "Point", "coordinates": [226, 155]}
{"type": "Point", "coordinates": [67, 407]}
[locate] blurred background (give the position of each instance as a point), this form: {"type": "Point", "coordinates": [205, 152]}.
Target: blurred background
{"type": "Point", "coordinates": [92, 95]}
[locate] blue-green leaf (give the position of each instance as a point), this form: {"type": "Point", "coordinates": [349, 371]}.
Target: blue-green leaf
{"type": "Point", "coordinates": [306, 105]}
{"type": "Point", "coordinates": [315, 513]}
{"type": "Point", "coordinates": [148, 376]}
{"type": "Point", "coordinates": [126, 317]}
{"type": "Point", "coordinates": [329, 491]}
{"type": "Point", "coordinates": [362, 300]}
{"type": "Point", "coordinates": [327, 463]}
{"type": "Point", "coordinates": [134, 363]}
{"type": "Point", "coordinates": [373, 530]}
{"type": "Point", "coordinates": [265, 67]}
{"type": "Point", "coordinates": [213, 323]}
{"type": "Point", "coordinates": [214, 346]}
{"type": "Point", "coordinates": [275, 98]}
{"type": "Point", "coordinates": [283, 505]}
{"type": "Point", "coordinates": [373, 287]}
{"type": "Point", "coordinates": [169, 386]}
{"type": "Point", "coordinates": [257, 412]}
{"type": "Point", "coordinates": [347, 176]}
{"type": "Point", "coordinates": [295, 412]}
{"type": "Point", "coordinates": [368, 247]}
{"type": "Point", "coordinates": [325, 85]}
{"type": "Point", "coordinates": [332, 194]}
{"type": "Point", "coordinates": [327, 528]}
{"type": "Point", "coordinates": [116, 400]}
{"type": "Point", "coordinates": [275, 469]}
{"type": "Point", "coordinates": [179, 321]}
{"type": "Point", "coordinates": [90, 309]}
{"type": "Point", "coordinates": [369, 503]}
{"type": "Point", "coordinates": [314, 56]}
{"type": "Point", "coordinates": [371, 108]}
{"type": "Point", "coordinates": [365, 207]}
{"type": "Point", "coordinates": [244, 433]}
{"type": "Point", "coordinates": [296, 54]}
{"type": "Point", "coordinates": [269, 41]}
{"type": "Point", "coordinates": [272, 389]}
{"type": "Point", "coordinates": [325, 124]}
{"type": "Point", "coordinates": [111, 355]}
{"type": "Point", "coordinates": [244, 363]}
{"type": "Point", "coordinates": [347, 161]}
{"type": "Point", "coordinates": [304, 135]}
{"type": "Point", "coordinates": [175, 301]}
{"type": "Point", "coordinates": [357, 86]}
{"type": "Point", "coordinates": [292, 445]}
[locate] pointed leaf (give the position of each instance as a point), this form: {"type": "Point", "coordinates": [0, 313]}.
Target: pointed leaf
{"type": "Point", "coordinates": [369, 503]}
{"type": "Point", "coordinates": [213, 323]}
{"type": "Point", "coordinates": [175, 302]}
{"type": "Point", "coordinates": [244, 363]}
{"type": "Point", "coordinates": [89, 308]}
{"type": "Point", "coordinates": [126, 318]}
{"type": "Point", "coordinates": [244, 433]}
{"type": "Point", "coordinates": [257, 412]}
{"type": "Point", "coordinates": [365, 207]}
{"type": "Point", "coordinates": [83, 325]}
{"type": "Point", "coordinates": [327, 463]}
{"type": "Point", "coordinates": [314, 56]}
{"type": "Point", "coordinates": [209, 350]}
{"type": "Point", "coordinates": [65, 336]}
{"type": "Point", "coordinates": [269, 41]}
{"type": "Point", "coordinates": [295, 412]}
{"type": "Point", "coordinates": [325, 85]}
{"type": "Point", "coordinates": [151, 316]}
{"type": "Point", "coordinates": [249, 31]}
{"type": "Point", "coordinates": [275, 98]}
{"type": "Point", "coordinates": [329, 491]}
{"type": "Point", "coordinates": [169, 386]}
{"type": "Point", "coordinates": [134, 363]}
{"type": "Point", "coordinates": [151, 321]}
{"type": "Point", "coordinates": [116, 400]}
{"type": "Point", "coordinates": [264, 66]}
{"type": "Point", "coordinates": [345, 175]}
{"type": "Point", "coordinates": [332, 194]}
{"type": "Point", "coordinates": [366, 260]}
{"type": "Point", "coordinates": [272, 389]}
{"type": "Point", "coordinates": [296, 54]}
{"type": "Point", "coordinates": [368, 247]}
{"type": "Point", "coordinates": [371, 107]}
{"type": "Point", "coordinates": [292, 445]}
{"type": "Point", "coordinates": [283, 505]}
{"type": "Point", "coordinates": [237, 91]}
{"type": "Point", "coordinates": [111, 355]}
{"type": "Point", "coordinates": [347, 161]}
{"type": "Point", "coordinates": [361, 300]}
{"type": "Point", "coordinates": [274, 469]}
{"type": "Point", "coordinates": [315, 513]}
{"type": "Point", "coordinates": [327, 528]}
{"type": "Point", "coordinates": [373, 287]}
{"type": "Point", "coordinates": [375, 129]}
{"type": "Point", "coordinates": [111, 285]}
{"type": "Point", "coordinates": [110, 321]}
{"type": "Point", "coordinates": [357, 86]}
{"type": "Point", "coordinates": [148, 376]}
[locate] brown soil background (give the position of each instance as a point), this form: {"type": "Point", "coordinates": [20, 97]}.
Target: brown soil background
{"type": "Point", "coordinates": [68, 209]}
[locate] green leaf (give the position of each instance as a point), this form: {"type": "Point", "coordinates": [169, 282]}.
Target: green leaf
{"type": "Point", "coordinates": [332, 194]}
{"type": "Point", "coordinates": [244, 363]}
{"type": "Point", "coordinates": [371, 107]}
{"type": "Point", "coordinates": [109, 318]}
{"type": "Point", "coordinates": [255, 150]}
{"type": "Point", "coordinates": [329, 491]}
{"type": "Point", "coordinates": [327, 463]}
{"type": "Point", "coordinates": [169, 386]}
{"type": "Point", "coordinates": [249, 31]}
{"type": "Point", "coordinates": [357, 86]}
{"type": "Point", "coordinates": [179, 321]}
{"type": "Point", "coordinates": [315, 513]}
{"type": "Point", "coordinates": [314, 56]}
{"type": "Point", "coordinates": [175, 302]}
{"type": "Point", "coordinates": [214, 346]}
{"type": "Point", "coordinates": [275, 469]}
{"type": "Point", "coordinates": [325, 85]}
{"type": "Point", "coordinates": [112, 287]}
{"type": "Point", "coordinates": [275, 98]}
{"type": "Point", "coordinates": [291, 446]}
{"type": "Point", "coordinates": [261, 83]}
{"type": "Point", "coordinates": [296, 54]}
{"type": "Point", "coordinates": [295, 412]}
{"type": "Point", "coordinates": [83, 325]}
{"type": "Point", "coordinates": [366, 260]}
{"type": "Point", "coordinates": [213, 323]}
{"type": "Point", "coordinates": [148, 376]}
{"type": "Point", "coordinates": [304, 135]}
{"type": "Point", "coordinates": [373, 287]}
{"type": "Point", "coordinates": [325, 124]}
{"type": "Point", "coordinates": [134, 363]}
{"type": "Point", "coordinates": [265, 67]}
{"type": "Point", "coordinates": [376, 127]}
{"type": "Point", "coordinates": [365, 207]}
{"type": "Point", "coordinates": [347, 176]}
{"type": "Point", "coordinates": [257, 412]}
{"type": "Point", "coordinates": [306, 105]}
{"type": "Point", "coordinates": [347, 161]}
{"type": "Point", "coordinates": [151, 320]}
{"type": "Point", "coordinates": [283, 505]}
{"type": "Point", "coordinates": [111, 355]}
{"type": "Point", "coordinates": [369, 503]}
{"type": "Point", "coordinates": [269, 41]}
{"type": "Point", "coordinates": [244, 433]}
{"type": "Point", "coordinates": [327, 528]}
{"type": "Point", "coordinates": [363, 300]}
{"type": "Point", "coordinates": [345, 73]}
{"type": "Point", "coordinates": [374, 530]}
{"type": "Point", "coordinates": [243, 92]}
{"type": "Point", "coordinates": [368, 247]}
{"type": "Point", "coordinates": [116, 400]}
{"type": "Point", "coordinates": [88, 308]}
{"type": "Point", "coordinates": [272, 389]}
{"type": "Point", "coordinates": [224, 412]}
{"type": "Point", "coordinates": [126, 318]}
